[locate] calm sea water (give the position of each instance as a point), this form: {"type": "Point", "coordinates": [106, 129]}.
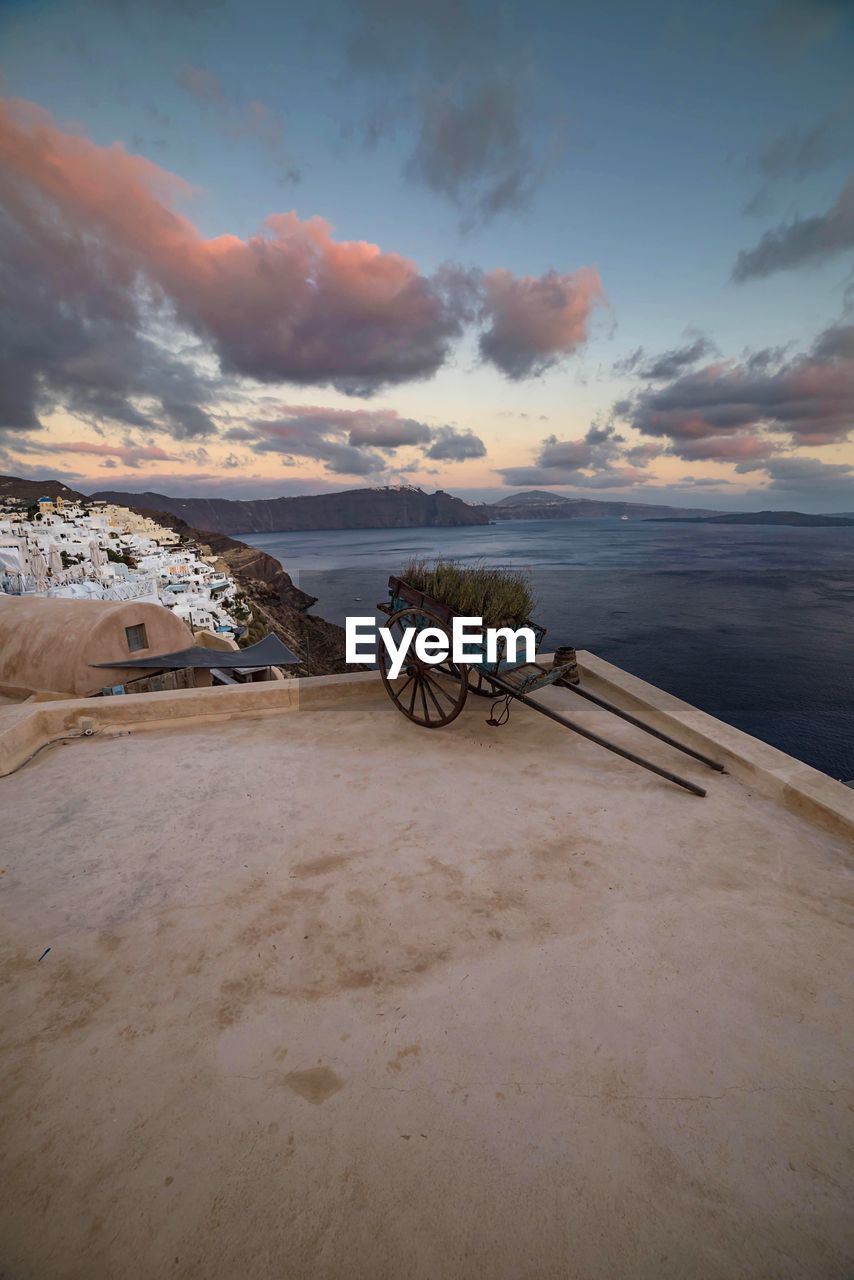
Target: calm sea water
{"type": "Point", "coordinates": [754, 624]}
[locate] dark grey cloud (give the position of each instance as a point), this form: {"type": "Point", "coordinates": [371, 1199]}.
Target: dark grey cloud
{"type": "Point", "coordinates": [535, 477]}
{"type": "Point", "coordinates": [795, 473]}
{"type": "Point", "coordinates": [628, 363]}
{"type": "Point", "coordinates": [472, 147]}
{"type": "Point", "coordinates": [807, 482]}
{"type": "Point", "coordinates": [355, 441]}
{"type": "Point", "coordinates": [463, 75]}
{"type": "Point", "coordinates": [386, 432]}
{"type": "Point", "coordinates": [798, 152]}
{"type": "Point", "coordinates": [451, 445]}
{"type": "Point", "coordinates": [186, 420]}
{"type": "Point", "coordinates": [73, 334]}
{"type": "Point", "coordinates": [597, 460]}
{"type": "Point", "coordinates": [802, 242]}
{"type": "Point", "coordinates": [669, 363]}
{"type": "Point", "coordinates": [810, 397]}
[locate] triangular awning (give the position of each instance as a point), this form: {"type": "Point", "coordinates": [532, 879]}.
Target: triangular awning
{"type": "Point", "coordinates": [269, 652]}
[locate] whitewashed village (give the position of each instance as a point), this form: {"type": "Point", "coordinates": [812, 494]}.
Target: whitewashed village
{"type": "Point", "coordinates": [104, 600]}
{"type": "Point", "coordinates": [98, 551]}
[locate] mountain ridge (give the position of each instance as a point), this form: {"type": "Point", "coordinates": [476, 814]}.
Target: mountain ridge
{"type": "Point", "coordinates": [349, 509]}
{"type": "Point", "coordinates": [536, 504]}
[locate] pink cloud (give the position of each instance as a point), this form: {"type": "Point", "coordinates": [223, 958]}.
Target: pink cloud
{"type": "Point", "coordinates": [533, 322]}
{"type": "Point", "coordinates": [130, 454]}
{"type": "Point", "coordinates": [289, 303]}
{"type": "Point", "coordinates": [739, 448]}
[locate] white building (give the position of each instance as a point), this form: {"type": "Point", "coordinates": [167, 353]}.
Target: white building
{"type": "Point", "coordinates": [109, 553]}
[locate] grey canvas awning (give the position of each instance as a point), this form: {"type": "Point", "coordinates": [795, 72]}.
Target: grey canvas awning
{"type": "Point", "coordinates": [269, 652]}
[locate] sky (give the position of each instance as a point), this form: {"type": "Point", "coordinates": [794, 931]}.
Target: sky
{"type": "Point", "coordinates": [600, 249]}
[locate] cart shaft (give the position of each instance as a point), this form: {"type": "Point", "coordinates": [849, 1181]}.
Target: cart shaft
{"type": "Point", "coordinates": [641, 724]}
{"type": "Point", "coordinates": [601, 742]}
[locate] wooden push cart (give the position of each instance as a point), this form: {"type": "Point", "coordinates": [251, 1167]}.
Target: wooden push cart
{"type": "Point", "coordinates": [432, 695]}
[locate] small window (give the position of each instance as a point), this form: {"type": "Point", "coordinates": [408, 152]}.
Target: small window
{"type": "Point", "coordinates": [137, 639]}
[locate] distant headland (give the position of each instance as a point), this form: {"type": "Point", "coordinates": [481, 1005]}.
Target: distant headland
{"type": "Point", "coordinates": [799, 518]}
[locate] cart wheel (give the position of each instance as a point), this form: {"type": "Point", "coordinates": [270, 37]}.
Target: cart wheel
{"type": "Point", "coordinates": [479, 684]}
{"type": "Point", "coordinates": [429, 695]}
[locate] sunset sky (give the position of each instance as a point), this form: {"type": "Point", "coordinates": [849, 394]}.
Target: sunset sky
{"type": "Point", "coordinates": [270, 248]}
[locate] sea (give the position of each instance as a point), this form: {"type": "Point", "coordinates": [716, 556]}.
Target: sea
{"type": "Point", "coordinates": [752, 623]}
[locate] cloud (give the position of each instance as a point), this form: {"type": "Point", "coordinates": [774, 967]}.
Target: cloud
{"type": "Point", "coordinates": [670, 363]}
{"type": "Point", "coordinates": [239, 120]}
{"type": "Point", "coordinates": [462, 72]}
{"type": "Point", "coordinates": [749, 414]}
{"type": "Point", "coordinates": [749, 451]}
{"type": "Point", "coordinates": [794, 473]}
{"type": "Point", "coordinates": [808, 482]}
{"type": "Point", "coordinates": [131, 455]}
{"type": "Point", "coordinates": [810, 397]}
{"type": "Point", "coordinates": [801, 242]}
{"type": "Point", "coordinates": [796, 153]}
{"type": "Point", "coordinates": [289, 304]}
{"type": "Point", "coordinates": [100, 259]}
{"type": "Point", "coordinates": [471, 147]}
{"type": "Point", "coordinates": [450, 445]}
{"type": "Point", "coordinates": [546, 477]}
{"type": "Point", "coordinates": [666, 365]}
{"type": "Point", "coordinates": [74, 333]}
{"type": "Point", "coordinates": [596, 460]}
{"type": "Point", "coordinates": [360, 442]}
{"type": "Point", "coordinates": [533, 322]}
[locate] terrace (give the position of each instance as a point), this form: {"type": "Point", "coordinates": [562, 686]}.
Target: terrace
{"type": "Point", "coordinates": [329, 995]}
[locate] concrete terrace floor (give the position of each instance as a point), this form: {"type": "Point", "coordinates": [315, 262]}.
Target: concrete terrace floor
{"type": "Point", "coordinates": [332, 996]}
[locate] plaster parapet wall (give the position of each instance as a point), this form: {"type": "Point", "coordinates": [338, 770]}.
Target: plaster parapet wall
{"type": "Point", "coordinates": [27, 727]}
{"type": "Point", "coordinates": [800, 788]}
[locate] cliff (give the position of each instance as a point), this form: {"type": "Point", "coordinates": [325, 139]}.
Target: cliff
{"type": "Point", "coordinates": [352, 509]}
{"type": "Point", "coordinates": [32, 490]}
{"type": "Point", "coordinates": [277, 604]}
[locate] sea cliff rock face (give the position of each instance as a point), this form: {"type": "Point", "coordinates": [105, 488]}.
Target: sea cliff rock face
{"type": "Point", "coordinates": [353, 509]}
{"type": "Point", "coordinates": [277, 605]}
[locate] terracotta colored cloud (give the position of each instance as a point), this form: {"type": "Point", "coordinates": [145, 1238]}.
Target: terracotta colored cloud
{"type": "Point", "coordinates": [290, 303]}
{"type": "Point", "coordinates": [532, 322]}
{"type": "Point", "coordinates": [737, 448]}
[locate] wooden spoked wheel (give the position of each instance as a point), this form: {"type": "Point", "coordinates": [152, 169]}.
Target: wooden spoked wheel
{"type": "Point", "coordinates": [430, 695]}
